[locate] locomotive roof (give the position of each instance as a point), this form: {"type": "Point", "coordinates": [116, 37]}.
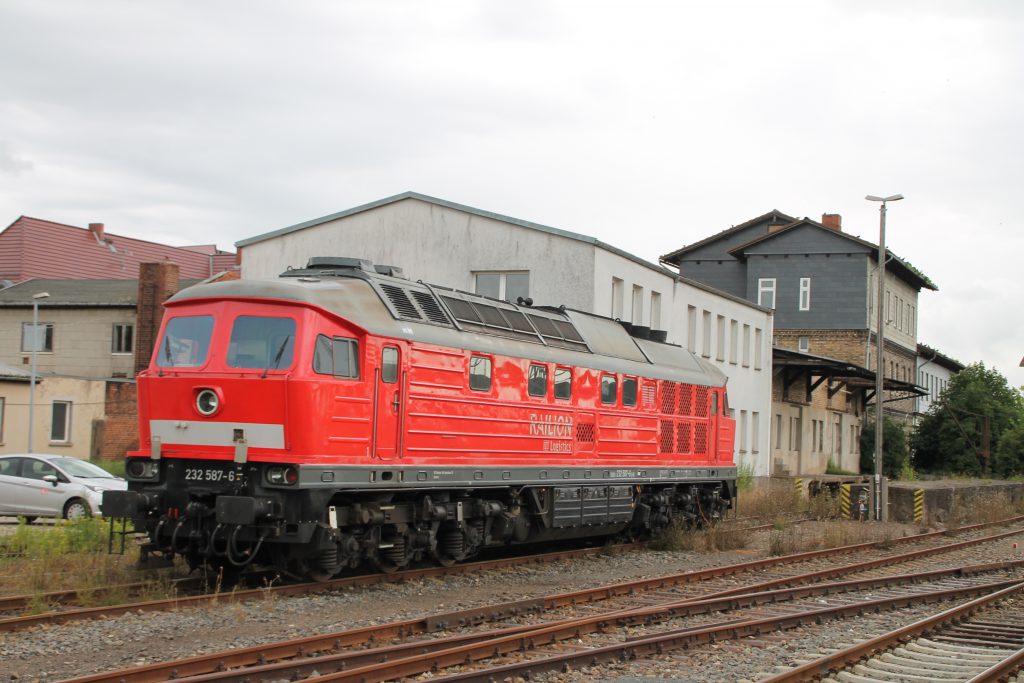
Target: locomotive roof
{"type": "Point", "coordinates": [395, 307]}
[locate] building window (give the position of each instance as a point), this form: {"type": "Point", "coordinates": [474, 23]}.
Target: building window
{"type": "Point", "coordinates": [509, 286]}
{"type": "Point", "coordinates": [707, 334]}
{"type": "Point", "coordinates": [755, 427]}
{"type": "Point", "coordinates": [794, 434]}
{"type": "Point", "coordinates": [746, 346]}
{"type": "Point", "coordinates": [480, 373]}
{"type": "Point", "coordinates": [803, 344]}
{"type": "Point", "coordinates": [758, 350]}
{"type": "Point", "coordinates": [638, 305]}
{"type": "Point", "coordinates": [691, 329]}
{"type": "Point", "coordinates": [60, 423]}
{"type": "Point", "coordinates": [3, 405]}
{"type": "Point", "coordinates": [655, 311]}
{"type": "Point", "coordinates": [766, 292]}
{"type": "Point", "coordinates": [743, 431]}
{"type": "Point", "coordinates": [537, 383]}
{"type": "Point", "coordinates": [37, 337]}
{"type": "Point", "coordinates": [720, 320]}
{"type": "Point", "coordinates": [618, 297]}
{"type": "Point", "coordinates": [778, 432]}
{"type": "Point", "coordinates": [805, 294]}
{"type": "Point", "coordinates": [733, 340]}
{"type": "Point", "coordinates": [123, 338]}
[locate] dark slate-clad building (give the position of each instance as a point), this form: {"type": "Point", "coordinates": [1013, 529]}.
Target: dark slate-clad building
{"type": "Point", "coordinates": [822, 284]}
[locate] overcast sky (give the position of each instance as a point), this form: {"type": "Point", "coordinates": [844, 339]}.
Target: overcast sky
{"type": "Point", "coordinates": [648, 125]}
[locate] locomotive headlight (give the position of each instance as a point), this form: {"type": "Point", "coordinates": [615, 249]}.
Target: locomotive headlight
{"type": "Point", "coordinates": [207, 402]}
{"type": "Point", "coordinates": [142, 469]}
{"type": "Point", "coordinates": [282, 476]}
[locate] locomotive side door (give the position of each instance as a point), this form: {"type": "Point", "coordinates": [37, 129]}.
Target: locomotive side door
{"type": "Point", "coordinates": [389, 404]}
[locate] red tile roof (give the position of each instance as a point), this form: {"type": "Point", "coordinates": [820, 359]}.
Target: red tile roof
{"type": "Point", "coordinates": [31, 247]}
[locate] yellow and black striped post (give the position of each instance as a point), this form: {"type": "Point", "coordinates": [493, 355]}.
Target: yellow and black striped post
{"type": "Point", "coordinates": [918, 505]}
{"type": "Point", "coordinates": [844, 501]}
{"type": "Point", "coordinates": [798, 488]}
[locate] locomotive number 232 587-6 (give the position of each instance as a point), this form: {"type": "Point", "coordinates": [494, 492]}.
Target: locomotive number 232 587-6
{"type": "Point", "coordinates": [214, 475]}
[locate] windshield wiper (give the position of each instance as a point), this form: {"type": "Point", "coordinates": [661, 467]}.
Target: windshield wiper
{"type": "Point", "coordinates": [167, 351]}
{"type": "Point", "coordinates": [277, 358]}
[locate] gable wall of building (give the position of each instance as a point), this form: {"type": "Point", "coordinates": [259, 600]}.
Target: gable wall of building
{"type": "Point", "coordinates": [838, 290]}
{"type": "Point", "coordinates": [901, 308]}
{"type": "Point", "coordinates": [87, 408]}
{"type": "Point", "coordinates": [439, 245]}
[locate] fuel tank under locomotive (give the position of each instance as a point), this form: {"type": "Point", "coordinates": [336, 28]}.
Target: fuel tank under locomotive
{"type": "Point", "coordinates": [227, 515]}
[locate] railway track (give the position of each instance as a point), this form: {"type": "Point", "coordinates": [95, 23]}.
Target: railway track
{"type": "Point", "coordinates": [384, 652]}
{"type": "Point", "coordinates": [17, 623]}
{"type": "Point", "coordinates": [972, 642]}
{"type": "Point", "coordinates": [82, 604]}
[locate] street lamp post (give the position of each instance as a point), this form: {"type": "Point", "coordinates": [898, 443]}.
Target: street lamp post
{"type": "Point", "coordinates": [880, 514]}
{"type": "Point", "coordinates": [35, 348]}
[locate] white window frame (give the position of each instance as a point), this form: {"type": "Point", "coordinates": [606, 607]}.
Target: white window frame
{"type": "Point", "coordinates": [691, 329]}
{"type": "Point", "coordinates": [618, 297]}
{"type": "Point", "coordinates": [755, 428]}
{"type": "Point", "coordinates": [655, 310]}
{"type": "Point", "coordinates": [758, 344]}
{"type": "Point", "coordinates": [706, 351]}
{"type": "Point", "coordinates": [766, 285]}
{"type": "Point", "coordinates": [720, 327]}
{"type": "Point", "coordinates": [40, 339]}
{"type": "Point", "coordinates": [803, 344]}
{"type": "Point", "coordinates": [67, 422]}
{"type": "Point", "coordinates": [734, 339]}
{"type": "Point", "coordinates": [119, 337]}
{"type": "Point", "coordinates": [805, 294]}
{"type": "Point", "coordinates": [637, 314]}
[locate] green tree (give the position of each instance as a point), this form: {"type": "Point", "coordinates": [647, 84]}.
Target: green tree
{"type": "Point", "coordinates": [1009, 455]}
{"type": "Point", "coordinates": [949, 437]}
{"type": "Point", "coordinates": [894, 447]}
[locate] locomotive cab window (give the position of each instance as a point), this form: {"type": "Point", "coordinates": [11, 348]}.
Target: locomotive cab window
{"type": "Point", "coordinates": [563, 383]}
{"type": "Point", "coordinates": [186, 342]}
{"type": "Point", "coordinates": [260, 342]}
{"type": "Point", "coordinates": [389, 365]}
{"type": "Point", "coordinates": [538, 380]}
{"type": "Point", "coordinates": [714, 403]}
{"type": "Point", "coordinates": [629, 391]}
{"type": "Point", "coordinates": [480, 373]}
{"type": "Point", "coordinates": [609, 387]}
{"type": "Point", "coordinates": [336, 356]}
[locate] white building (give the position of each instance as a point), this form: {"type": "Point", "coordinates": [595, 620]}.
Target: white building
{"type": "Point", "coordinates": [934, 370]}
{"type": "Point", "coordinates": [458, 246]}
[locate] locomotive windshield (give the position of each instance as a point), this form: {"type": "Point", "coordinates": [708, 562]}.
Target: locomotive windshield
{"type": "Point", "coordinates": [186, 342]}
{"type": "Point", "coordinates": [261, 342]}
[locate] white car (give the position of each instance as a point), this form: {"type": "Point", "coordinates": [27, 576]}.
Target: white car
{"type": "Point", "coordinates": [39, 485]}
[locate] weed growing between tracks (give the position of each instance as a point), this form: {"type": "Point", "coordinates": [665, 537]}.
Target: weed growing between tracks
{"type": "Point", "coordinates": [71, 555]}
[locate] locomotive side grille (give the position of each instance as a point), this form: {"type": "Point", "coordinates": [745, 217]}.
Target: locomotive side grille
{"type": "Point", "coordinates": [686, 399]}
{"type": "Point", "coordinates": [492, 316]}
{"type": "Point", "coordinates": [683, 443]}
{"type": "Point", "coordinates": [668, 397]}
{"type": "Point", "coordinates": [700, 441]}
{"type": "Point", "coordinates": [648, 394]}
{"type": "Point", "coordinates": [519, 322]}
{"type": "Point", "coordinates": [431, 308]}
{"type": "Point", "coordinates": [401, 301]}
{"type": "Point", "coordinates": [585, 432]}
{"type": "Point", "coordinates": [546, 326]}
{"type": "Point", "coordinates": [567, 331]}
{"type": "Point", "coordinates": [702, 402]}
{"type": "Point", "coordinates": [463, 310]}
{"type": "Point", "coordinates": [666, 435]}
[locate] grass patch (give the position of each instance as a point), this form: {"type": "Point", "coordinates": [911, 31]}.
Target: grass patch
{"type": "Point", "coordinates": [981, 509]}
{"type": "Point", "coordinates": [769, 502]}
{"type": "Point", "coordinates": [710, 538]}
{"type": "Point", "coordinates": [72, 555]}
{"type": "Point", "coordinates": [115, 466]}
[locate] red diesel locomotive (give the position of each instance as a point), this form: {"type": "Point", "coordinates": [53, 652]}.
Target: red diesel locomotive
{"type": "Point", "coordinates": [343, 414]}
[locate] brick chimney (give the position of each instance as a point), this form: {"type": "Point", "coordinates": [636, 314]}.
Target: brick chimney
{"type": "Point", "coordinates": [157, 282]}
{"type": "Point", "coordinates": [832, 221]}
{"type": "Point", "coordinates": [97, 230]}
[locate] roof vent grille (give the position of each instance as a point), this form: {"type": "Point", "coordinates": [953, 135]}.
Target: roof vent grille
{"type": "Point", "coordinates": [430, 307]}
{"type": "Point", "coordinates": [401, 301]}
